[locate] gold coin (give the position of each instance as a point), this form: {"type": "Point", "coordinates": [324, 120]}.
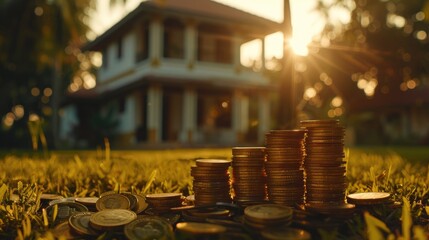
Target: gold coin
{"type": "Point", "coordinates": [148, 228]}
{"type": "Point", "coordinates": [64, 231]}
{"type": "Point", "coordinates": [49, 197]}
{"type": "Point", "coordinates": [79, 222]}
{"type": "Point", "coordinates": [221, 163]}
{"type": "Point", "coordinates": [331, 208]}
{"type": "Point", "coordinates": [368, 198]}
{"type": "Point", "coordinates": [142, 204]}
{"type": "Point", "coordinates": [133, 200]}
{"type": "Point", "coordinates": [200, 228]}
{"type": "Point", "coordinates": [163, 196]}
{"type": "Point", "coordinates": [113, 201]}
{"type": "Point", "coordinates": [111, 218]}
{"type": "Point", "coordinates": [268, 212]}
{"type": "Point", "coordinates": [87, 201]}
{"type": "Point", "coordinates": [285, 234]}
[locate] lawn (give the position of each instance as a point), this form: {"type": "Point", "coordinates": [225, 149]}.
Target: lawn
{"type": "Point", "coordinates": [401, 171]}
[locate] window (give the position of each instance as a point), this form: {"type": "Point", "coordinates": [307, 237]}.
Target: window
{"type": "Point", "coordinates": [104, 58]}
{"type": "Point", "coordinates": [119, 49]}
{"type": "Point", "coordinates": [143, 42]}
{"type": "Point", "coordinates": [214, 45]}
{"type": "Point", "coordinates": [214, 110]}
{"type": "Point", "coordinates": [174, 39]}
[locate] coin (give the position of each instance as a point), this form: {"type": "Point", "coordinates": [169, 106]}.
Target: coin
{"type": "Point", "coordinates": [133, 200]}
{"type": "Point", "coordinates": [248, 151]}
{"type": "Point", "coordinates": [331, 208]}
{"type": "Point", "coordinates": [87, 201]}
{"type": "Point", "coordinates": [113, 201]}
{"type": "Point", "coordinates": [268, 212]}
{"type": "Point", "coordinates": [285, 234]}
{"type": "Point", "coordinates": [142, 205]}
{"type": "Point", "coordinates": [195, 228]}
{"type": "Point", "coordinates": [79, 222]}
{"type": "Point", "coordinates": [213, 163]}
{"type": "Point", "coordinates": [49, 197]}
{"type": "Point", "coordinates": [368, 198]}
{"type": "Point", "coordinates": [64, 231]}
{"type": "Point", "coordinates": [63, 211]}
{"type": "Point", "coordinates": [163, 196]}
{"type": "Point", "coordinates": [110, 219]}
{"type": "Point", "coordinates": [149, 227]}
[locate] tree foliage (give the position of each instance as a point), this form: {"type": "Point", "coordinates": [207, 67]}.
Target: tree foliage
{"type": "Point", "coordinates": [39, 53]}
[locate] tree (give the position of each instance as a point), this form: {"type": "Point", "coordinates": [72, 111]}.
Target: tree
{"type": "Point", "coordinates": [39, 54]}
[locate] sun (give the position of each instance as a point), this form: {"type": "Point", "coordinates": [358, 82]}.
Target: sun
{"type": "Point", "coordinates": [299, 46]}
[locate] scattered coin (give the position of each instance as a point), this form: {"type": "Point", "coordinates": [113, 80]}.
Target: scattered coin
{"type": "Point", "coordinates": [113, 201]}
{"type": "Point", "coordinates": [369, 198]}
{"type": "Point", "coordinates": [149, 227]}
{"type": "Point", "coordinates": [285, 234]}
{"type": "Point", "coordinates": [79, 222]}
{"type": "Point", "coordinates": [195, 228]}
{"type": "Point", "coordinates": [60, 212]}
{"type": "Point", "coordinates": [111, 219]}
{"type": "Point", "coordinates": [64, 231]}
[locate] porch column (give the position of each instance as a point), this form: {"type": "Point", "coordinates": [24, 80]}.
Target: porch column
{"type": "Point", "coordinates": [190, 43]}
{"type": "Point", "coordinates": [263, 116]}
{"type": "Point", "coordinates": [154, 113]}
{"type": "Point", "coordinates": [240, 115]}
{"type": "Point", "coordinates": [155, 41]}
{"type": "Point", "coordinates": [189, 117]}
{"type": "Point", "coordinates": [263, 54]}
{"type": "Point", "coordinates": [237, 41]}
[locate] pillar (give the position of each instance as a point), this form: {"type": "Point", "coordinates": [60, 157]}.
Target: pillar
{"type": "Point", "coordinates": [262, 54]}
{"type": "Point", "coordinates": [155, 41]}
{"type": "Point", "coordinates": [154, 113]}
{"type": "Point", "coordinates": [237, 41]}
{"type": "Point", "coordinates": [190, 44]}
{"type": "Point", "coordinates": [240, 115]}
{"type": "Point", "coordinates": [189, 117]}
{"type": "Point", "coordinates": [264, 114]}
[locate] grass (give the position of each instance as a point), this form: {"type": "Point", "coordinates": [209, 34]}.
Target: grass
{"type": "Point", "coordinates": [401, 171]}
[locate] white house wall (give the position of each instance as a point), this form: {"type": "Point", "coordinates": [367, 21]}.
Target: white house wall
{"type": "Point", "coordinates": [117, 66]}
{"type": "Point", "coordinates": [127, 119]}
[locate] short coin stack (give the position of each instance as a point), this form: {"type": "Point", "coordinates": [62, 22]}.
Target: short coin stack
{"type": "Point", "coordinates": [211, 181]}
{"type": "Point", "coordinates": [262, 216]}
{"type": "Point", "coordinates": [285, 175]}
{"type": "Point", "coordinates": [163, 202]}
{"type": "Point", "coordinates": [248, 175]}
{"type": "Point", "coordinates": [324, 162]}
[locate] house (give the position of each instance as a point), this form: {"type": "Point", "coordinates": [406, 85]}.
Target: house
{"type": "Point", "coordinates": [171, 72]}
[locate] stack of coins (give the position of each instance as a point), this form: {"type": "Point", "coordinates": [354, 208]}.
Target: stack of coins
{"type": "Point", "coordinates": [324, 162]}
{"type": "Point", "coordinates": [248, 175]}
{"type": "Point", "coordinates": [211, 181]}
{"type": "Point", "coordinates": [163, 202]}
{"type": "Point", "coordinates": [262, 216]}
{"type": "Point", "coordinates": [285, 176]}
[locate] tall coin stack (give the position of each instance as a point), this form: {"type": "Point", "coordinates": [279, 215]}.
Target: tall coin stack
{"type": "Point", "coordinates": [324, 162]}
{"type": "Point", "coordinates": [285, 176]}
{"type": "Point", "coordinates": [211, 181]}
{"type": "Point", "coordinates": [248, 175]}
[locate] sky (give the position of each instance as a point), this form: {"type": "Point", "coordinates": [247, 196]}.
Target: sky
{"type": "Point", "coordinates": [305, 22]}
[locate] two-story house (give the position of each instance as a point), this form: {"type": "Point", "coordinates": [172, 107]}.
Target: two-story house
{"type": "Point", "coordinates": [171, 72]}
